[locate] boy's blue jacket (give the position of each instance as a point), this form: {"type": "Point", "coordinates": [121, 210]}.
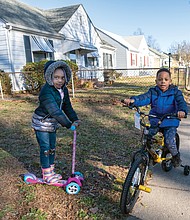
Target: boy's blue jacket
{"type": "Point", "coordinates": [170, 101]}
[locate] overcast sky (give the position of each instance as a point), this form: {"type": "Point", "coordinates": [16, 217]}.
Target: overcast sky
{"type": "Point", "coordinates": [167, 21]}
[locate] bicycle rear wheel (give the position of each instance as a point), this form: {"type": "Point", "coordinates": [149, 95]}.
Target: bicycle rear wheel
{"type": "Point", "coordinates": [167, 164]}
{"type": "Point", "coordinates": [130, 192]}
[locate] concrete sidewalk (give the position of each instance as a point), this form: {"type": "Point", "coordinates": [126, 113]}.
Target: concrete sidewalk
{"type": "Point", "coordinates": [170, 196]}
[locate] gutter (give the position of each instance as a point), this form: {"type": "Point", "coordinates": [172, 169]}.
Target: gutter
{"type": "Point", "coordinates": [20, 28]}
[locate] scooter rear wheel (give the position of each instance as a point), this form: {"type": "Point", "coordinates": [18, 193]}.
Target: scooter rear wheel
{"type": "Point", "coordinates": [29, 176]}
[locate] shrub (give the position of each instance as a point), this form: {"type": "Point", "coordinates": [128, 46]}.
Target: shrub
{"type": "Point", "coordinates": [5, 82]}
{"type": "Point", "coordinates": [74, 69]}
{"type": "Point", "coordinates": [34, 76]}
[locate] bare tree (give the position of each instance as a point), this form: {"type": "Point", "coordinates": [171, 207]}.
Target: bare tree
{"type": "Point", "coordinates": [181, 51]}
{"type": "Point", "coordinates": [138, 32]}
{"type": "Point", "coordinates": [152, 42]}
{"type": "Point", "coordinates": [149, 39]}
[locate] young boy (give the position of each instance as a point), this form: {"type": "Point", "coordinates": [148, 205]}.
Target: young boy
{"type": "Point", "coordinates": [164, 98]}
{"type": "Point", "coordinates": [54, 109]}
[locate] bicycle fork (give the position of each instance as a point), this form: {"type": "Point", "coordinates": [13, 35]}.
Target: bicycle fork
{"type": "Point", "coordinates": [143, 187]}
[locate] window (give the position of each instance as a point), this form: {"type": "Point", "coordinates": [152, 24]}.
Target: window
{"type": "Point", "coordinates": [38, 56]}
{"type": "Point", "coordinates": [107, 60]}
{"type": "Point", "coordinates": [141, 62]}
{"type": "Point", "coordinates": [27, 47]}
{"type": "Point", "coordinates": [133, 59]}
{"type": "Point", "coordinates": [38, 48]}
{"type": "Point", "coordinates": [72, 56]}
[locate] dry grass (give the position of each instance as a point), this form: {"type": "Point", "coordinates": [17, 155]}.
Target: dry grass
{"type": "Point", "coordinates": [105, 141]}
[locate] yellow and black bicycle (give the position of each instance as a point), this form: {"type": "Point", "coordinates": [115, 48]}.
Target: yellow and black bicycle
{"type": "Point", "coordinates": [151, 152]}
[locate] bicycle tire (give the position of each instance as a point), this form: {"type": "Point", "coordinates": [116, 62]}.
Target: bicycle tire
{"type": "Point", "coordinates": [167, 165]}
{"type": "Point", "coordinates": [130, 193]}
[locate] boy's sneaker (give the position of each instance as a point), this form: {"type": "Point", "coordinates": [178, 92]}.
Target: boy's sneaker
{"type": "Point", "coordinates": [176, 161]}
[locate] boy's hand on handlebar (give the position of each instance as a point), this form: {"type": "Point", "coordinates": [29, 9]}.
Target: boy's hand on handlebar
{"type": "Point", "coordinates": [127, 102]}
{"type": "Point", "coordinates": [181, 114]}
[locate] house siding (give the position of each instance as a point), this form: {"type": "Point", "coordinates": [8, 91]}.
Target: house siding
{"type": "Point", "coordinates": [79, 27]}
{"type": "Point", "coordinates": [4, 51]}
{"type": "Point", "coordinates": [18, 50]}
{"type": "Point", "coordinates": [120, 54]}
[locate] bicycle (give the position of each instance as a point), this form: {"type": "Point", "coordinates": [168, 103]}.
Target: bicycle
{"type": "Point", "coordinates": [152, 151]}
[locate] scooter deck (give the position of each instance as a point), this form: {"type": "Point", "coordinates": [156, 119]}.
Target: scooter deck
{"type": "Point", "coordinates": [62, 183]}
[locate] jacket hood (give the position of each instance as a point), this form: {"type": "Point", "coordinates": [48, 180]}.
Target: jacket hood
{"type": "Point", "coordinates": [51, 66]}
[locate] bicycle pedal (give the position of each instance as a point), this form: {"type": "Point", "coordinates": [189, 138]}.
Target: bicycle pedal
{"type": "Point", "coordinates": [119, 180]}
{"type": "Point", "coordinates": [145, 188]}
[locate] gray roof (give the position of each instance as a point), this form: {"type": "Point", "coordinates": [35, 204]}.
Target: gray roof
{"type": "Point", "coordinates": [58, 17]}
{"type": "Point", "coordinates": [20, 14]}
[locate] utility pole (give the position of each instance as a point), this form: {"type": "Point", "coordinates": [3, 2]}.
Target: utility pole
{"type": "Point", "coordinates": [169, 59]}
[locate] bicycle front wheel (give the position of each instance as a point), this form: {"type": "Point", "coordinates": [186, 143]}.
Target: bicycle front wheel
{"type": "Point", "coordinates": [130, 192]}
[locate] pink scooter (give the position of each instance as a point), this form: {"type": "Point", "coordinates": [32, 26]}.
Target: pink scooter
{"type": "Point", "coordinates": [72, 185]}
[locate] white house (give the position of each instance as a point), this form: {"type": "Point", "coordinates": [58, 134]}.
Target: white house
{"type": "Point", "coordinates": [133, 53]}
{"type": "Point", "coordinates": [121, 57]}
{"type": "Point", "coordinates": [29, 34]}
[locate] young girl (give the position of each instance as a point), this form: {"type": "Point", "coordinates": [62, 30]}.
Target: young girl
{"type": "Point", "coordinates": [164, 98]}
{"type": "Point", "coordinates": [54, 109]}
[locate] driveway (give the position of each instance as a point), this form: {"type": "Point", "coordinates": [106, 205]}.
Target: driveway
{"type": "Point", "coordinates": [170, 196]}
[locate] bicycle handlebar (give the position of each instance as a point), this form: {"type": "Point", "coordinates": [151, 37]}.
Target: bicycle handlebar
{"type": "Point", "coordinates": [167, 115]}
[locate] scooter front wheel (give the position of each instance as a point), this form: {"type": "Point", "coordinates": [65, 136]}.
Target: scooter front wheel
{"type": "Point", "coordinates": [78, 174]}
{"type": "Point", "coordinates": [72, 188]}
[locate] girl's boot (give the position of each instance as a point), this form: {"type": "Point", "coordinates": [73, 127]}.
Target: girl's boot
{"type": "Point", "coordinates": [48, 176]}
{"type": "Point", "coordinates": [58, 176]}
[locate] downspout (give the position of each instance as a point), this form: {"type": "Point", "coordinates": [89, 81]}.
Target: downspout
{"type": "Point", "coordinates": [8, 29]}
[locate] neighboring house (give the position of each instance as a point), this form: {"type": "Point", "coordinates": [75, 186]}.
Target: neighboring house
{"type": "Point", "coordinates": [142, 59]}
{"type": "Point", "coordinates": [133, 53]}
{"type": "Point", "coordinates": [29, 34]}
{"type": "Point", "coordinates": [121, 56]}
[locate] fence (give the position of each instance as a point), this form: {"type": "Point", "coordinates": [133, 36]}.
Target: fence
{"type": "Point", "coordinates": [134, 77]}
{"type": "Point", "coordinates": [145, 77]}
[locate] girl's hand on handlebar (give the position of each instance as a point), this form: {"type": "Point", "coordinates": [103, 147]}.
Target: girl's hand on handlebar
{"type": "Point", "coordinates": [181, 114]}
{"type": "Point", "coordinates": [76, 123]}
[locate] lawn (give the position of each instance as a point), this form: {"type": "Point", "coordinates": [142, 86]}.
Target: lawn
{"type": "Point", "coordinates": [105, 141]}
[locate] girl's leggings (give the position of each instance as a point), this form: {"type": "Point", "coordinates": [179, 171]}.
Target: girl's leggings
{"type": "Point", "coordinates": [47, 142]}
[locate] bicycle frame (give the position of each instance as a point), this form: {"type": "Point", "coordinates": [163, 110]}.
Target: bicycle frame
{"type": "Point", "coordinates": [135, 180]}
{"type": "Point", "coordinates": [159, 142]}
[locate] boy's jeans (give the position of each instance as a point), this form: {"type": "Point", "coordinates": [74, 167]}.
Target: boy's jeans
{"type": "Point", "coordinates": [169, 138]}
{"type": "Point", "coordinates": [47, 142]}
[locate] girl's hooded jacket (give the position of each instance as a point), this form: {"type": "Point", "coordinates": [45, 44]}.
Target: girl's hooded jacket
{"type": "Point", "coordinates": [170, 101]}
{"type": "Point", "coordinates": [52, 109]}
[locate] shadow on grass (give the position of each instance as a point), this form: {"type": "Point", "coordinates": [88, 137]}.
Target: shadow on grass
{"type": "Point", "coordinates": [105, 141]}
{"type": "Point", "coordinates": [18, 139]}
